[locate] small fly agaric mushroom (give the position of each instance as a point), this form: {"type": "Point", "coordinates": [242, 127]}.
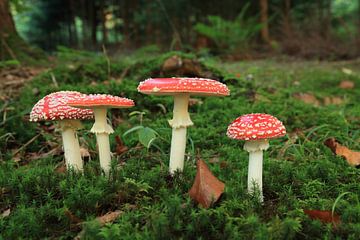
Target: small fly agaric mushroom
{"type": "Point", "coordinates": [181, 89]}
{"type": "Point", "coordinates": [99, 103]}
{"type": "Point", "coordinates": [54, 107]}
{"type": "Point", "coordinates": [256, 129]}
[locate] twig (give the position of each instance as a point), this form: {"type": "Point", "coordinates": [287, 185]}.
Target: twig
{"type": "Point", "coordinates": [107, 60]}
{"type": "Point", "coordinates": [176, 32]}
{"type": "Point", "coordinates": [15, 82]}
{"type": "Point", "coordinates": [12, 54]}
{"type": "Point", "coordinates": [123, 74]}
{"type": "Point", "coordinates": [26, 144]}
{"type": "Point", "coordinates": [54, 80]}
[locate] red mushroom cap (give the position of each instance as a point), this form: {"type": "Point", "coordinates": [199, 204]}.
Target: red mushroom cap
{"type": "Point", "coordinates": [171, 86]}
{"type": "Point", "coordinates": [54, 107]}
{"type": "Point", "coordinates": [101, 101]}
{"type": "Point", "coordinates": [256, 126]}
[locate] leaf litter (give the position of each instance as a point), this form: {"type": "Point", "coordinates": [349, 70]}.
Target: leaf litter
{"type": "Point", "coordinates": [206, 189]}
{"type": "Point", "coordinates": [352, 157]}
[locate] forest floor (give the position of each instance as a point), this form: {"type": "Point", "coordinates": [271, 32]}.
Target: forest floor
{"type": "Point", "coordinates": [316, 101]}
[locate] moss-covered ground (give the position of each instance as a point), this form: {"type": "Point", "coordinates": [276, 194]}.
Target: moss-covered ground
{"type": "Point", "coordinates": [299, 171]}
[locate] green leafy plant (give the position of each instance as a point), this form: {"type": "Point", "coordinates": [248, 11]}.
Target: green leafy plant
{"type": "Point", "coordinates": [146, 135]}
{"type": "Point", "coordinates": [230, 35]}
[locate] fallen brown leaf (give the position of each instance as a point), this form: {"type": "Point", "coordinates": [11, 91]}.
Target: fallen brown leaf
{"type": "Point", "coordinates": [195, 101]}
{"type": "Point", "coordinates": [333, 101]}
{"type": "Point", "coordinates": [84, 152]}
{"type": "Point", "coordinates": [34, 155]}
{"type": "Point", "coordinates": [346, 84]}
{"type": "Point", "coordinates": [214, 159]}
{"type": "Point", "coordinates": [6, 213]}
{"type": "Point", "coordinates": [347, 71]}
{"type": "Point", "coordinates": [61, 168]}
{"type": "Point", "coordinates": [172, 63]}
{"type": "Point", "coordinates": [120, 147]}
{"type": "Point", "coordinates": [72, 217]}
{"type": "Point", "coordinates": [323, 216]}
{"type": "Point", "coordinates": [352, 157]}
{"type": "Point", "coordinates": [307, 98]}
{"type": "Point", "coordinates": [206, 189]}
{"type": "Point", "coordinates": [109, 217]}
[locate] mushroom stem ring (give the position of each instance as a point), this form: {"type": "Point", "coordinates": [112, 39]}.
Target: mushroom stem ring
{"type": "Point", "coordinates": [181, 120]}
{"type": "Point", "coordinates": [102, 130]}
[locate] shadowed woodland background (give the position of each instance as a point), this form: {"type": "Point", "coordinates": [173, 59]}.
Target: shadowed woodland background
{"type": "Point", "coordinates": [244, 29]}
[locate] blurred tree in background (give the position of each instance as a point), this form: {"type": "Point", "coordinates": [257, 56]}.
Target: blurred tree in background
{"type": "Point", "coordinates": [319, 28]}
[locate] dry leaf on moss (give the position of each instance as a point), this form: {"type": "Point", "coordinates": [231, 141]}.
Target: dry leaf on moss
{"type": "Point", "coordinates": [206, 189]}
{"type": "Point", "coordinates": [352, 157]}
{"type": "Point", "coordinates": [72, 217]}
{"type": "Point", "coordinates": [102, 220]}
{"type": "Point", "coordinates": [84, 152]}
{"type": "Point", "coordinates": [109, 217]}
{"type": "Point", "coordinates": [5, 213]}
{"type": "Point", "coordinates": [333, 101]}
{"type": "Point", "coordinates": [346, 84]}
{"type": "Point", "coordinates": [323, 216]}
{"type": "Point", "coordinates": [347, 71]}
{"type": "Point", "coordinates": [307, 98]}
{"type": "Point", "coordinates": [120, 147]}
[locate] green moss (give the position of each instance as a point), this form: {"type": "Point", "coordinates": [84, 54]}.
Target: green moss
{"type": "Point", "coordinates": [300, 173]}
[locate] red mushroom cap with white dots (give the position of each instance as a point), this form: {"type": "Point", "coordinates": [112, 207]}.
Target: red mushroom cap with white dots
{"type": "Point", "coordinates": [101, 101]}
{"type": "Point", "coordinates": [256, 126]}
{"type": "Point", "coordinates": [172, 86]}
{"type": "Point", "coordinates": [54, 107]}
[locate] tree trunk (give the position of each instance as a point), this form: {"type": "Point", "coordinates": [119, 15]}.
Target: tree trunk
{"type": "Point", "coordinates": [264, 21]}
{"type": "Point", "coordinates": [287, 29]}
{"type": "Point", "coordinates": [7, 25]}
{"type": "Point", "coordinates": [358, 35]}
{"type": "Point", "coordinates": [7, 31]}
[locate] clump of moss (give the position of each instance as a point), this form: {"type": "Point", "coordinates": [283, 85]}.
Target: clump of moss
{"type": "Point", "coordinates": [300, 172]}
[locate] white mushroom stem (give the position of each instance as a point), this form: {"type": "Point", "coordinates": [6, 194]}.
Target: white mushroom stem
{"type": "Point", "coordinates": [71, 145]}
{"type": "Point", "coordinates": [181, 120]}
{"type": "Point", "coordinates": [102, 130]}
{"type": "Point", "coordinates": [255, 149]}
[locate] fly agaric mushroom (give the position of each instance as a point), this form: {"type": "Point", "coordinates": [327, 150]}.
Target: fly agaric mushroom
{"type": "Point", "coordinates": [99, 103]}
{"type": "Point", "coordinates": [256, 129]}
{"type": "Point", "coordinates": [54, 107]}
{"type": "Point", "coordinates": [181, 89]}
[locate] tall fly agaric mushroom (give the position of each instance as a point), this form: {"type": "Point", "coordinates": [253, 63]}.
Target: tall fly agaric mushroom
{"type": "Point", "coordinates": [54, 107]}
{"type": "Point", "coordinates": [99, 103]}
{"type": "Point", "coordinates": [256, 129]}
{"type": "Point", "coordinates": [181, 89]}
